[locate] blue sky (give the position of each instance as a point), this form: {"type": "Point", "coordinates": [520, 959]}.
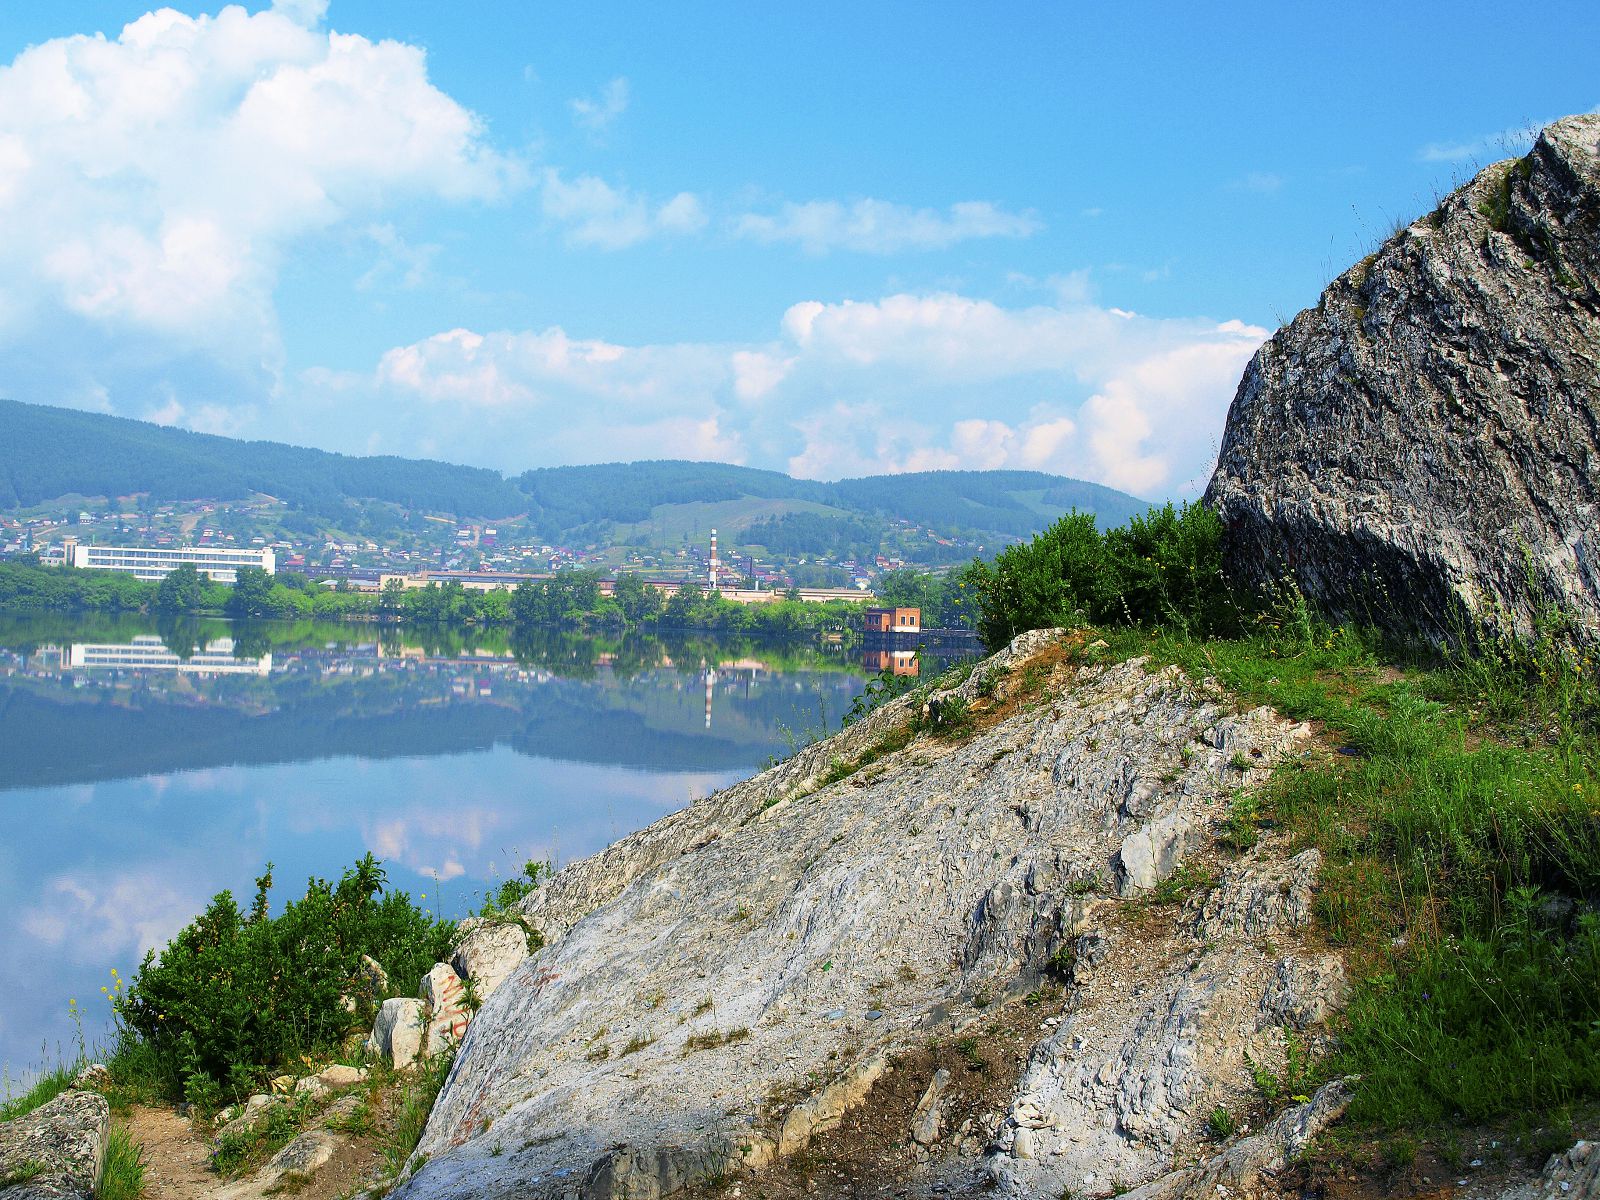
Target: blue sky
{"type": "Point", "coordinates": [833, 239]}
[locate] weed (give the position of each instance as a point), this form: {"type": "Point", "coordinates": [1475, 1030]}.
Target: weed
{"type": "Point", "coordinates": [357, 1122]}
{"type": "Point", "coordinates": [49, 1085]}
{"type": "Point", "coordinates": [28, 1169]}
{"type": "Point", "coordinates": [967, 1047]}
{"type": "Point", "coordinates": [411, 1118]}
{"type": "Point", "coordinates": [1220, 1123]}
{"type": "Point", "coordinates": [1177, 887]}
{"type": "Point", "coordinates": [636, 1043]}
{"type": "Point", "coordinates": [1241, 828]}
{"type": "Point", "coordinates": [289, 1183]}
{"type": "Point", "coordinates": [710, 1041]}
{"type": "Point", "coordinates": [1063, 962]}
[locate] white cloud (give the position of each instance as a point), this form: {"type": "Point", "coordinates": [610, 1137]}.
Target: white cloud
{"type": "Point", "coordinates": [879, 227]}
{"type": "Point", "coordinates": [109, 917]}
{"type": "Point", "coordinates": [596, 214]}
{"type": "Point", "coordinates": [302, 12]}
{"type": "Point", "coordinates": [1507, 143]}
{"type": "Point", "coordinates": [907, 382]}
{"type": "Point", "coordinates": [598, 114]}
{"type": "Point", "coordinates": [151, 185]}
{"type": "Point", "coordinates": [1265, 183]}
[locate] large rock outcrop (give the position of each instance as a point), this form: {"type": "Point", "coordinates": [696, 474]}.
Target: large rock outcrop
{"type": "Point", "coordinates": [58, 1151]}
{"type": "Point", "coordinates": [1422, 450]}
{"type": "Point", "coordinates": [723, 988]}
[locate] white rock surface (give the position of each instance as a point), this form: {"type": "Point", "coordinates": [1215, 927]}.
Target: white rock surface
{"type": "Point", "coordinates": [926, 878]}
{"type": "Point", "coordinates": [397, 1032]}
{"type": "Point", "coordinates": [487, 952]}
{"type": "Point", "coordinates": [447, 1012]}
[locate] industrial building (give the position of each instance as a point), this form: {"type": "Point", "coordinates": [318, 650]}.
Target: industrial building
{"type": "Point", "coordinates": [221, 563]}
{"type": "Point", "coordinates": [884, 621]}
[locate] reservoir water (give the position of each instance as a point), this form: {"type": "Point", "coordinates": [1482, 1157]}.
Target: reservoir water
{"type": "Point", "coordinates": [143, 769]}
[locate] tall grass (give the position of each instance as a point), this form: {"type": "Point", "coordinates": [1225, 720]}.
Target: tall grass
{"type": "Point", "coordinates": [1457, 807]}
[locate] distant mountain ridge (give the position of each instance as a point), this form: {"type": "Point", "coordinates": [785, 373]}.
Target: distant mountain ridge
{"type": "Point", "coordinates": [47, 453]}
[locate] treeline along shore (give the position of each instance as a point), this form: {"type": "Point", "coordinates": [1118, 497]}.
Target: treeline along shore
{"type": "Point", "coordinates": [570, 599]}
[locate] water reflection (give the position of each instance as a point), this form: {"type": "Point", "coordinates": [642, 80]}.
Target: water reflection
{"type": "Point", "coordinates": [145, 768]}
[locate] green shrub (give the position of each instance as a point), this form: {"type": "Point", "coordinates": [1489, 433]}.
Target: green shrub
{"type": "Point", "coordinates": [235, 994]}
{"type": "Point", "coordinates": [1164, 568]}
{"type": "Point", "coordinates": [503, 899]}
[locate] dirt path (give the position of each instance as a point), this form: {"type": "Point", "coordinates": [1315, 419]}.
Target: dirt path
{"type": "Point", "coordinates": [176, 1161]}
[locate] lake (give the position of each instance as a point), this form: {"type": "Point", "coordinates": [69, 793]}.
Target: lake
{"type": "Point", "coordinates": [146, 767]}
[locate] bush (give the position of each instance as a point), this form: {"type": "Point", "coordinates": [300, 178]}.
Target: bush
{"type": "Point", "coordinates": [235, 994]}
{"type": "Point", "coordinates": [1164, 568]}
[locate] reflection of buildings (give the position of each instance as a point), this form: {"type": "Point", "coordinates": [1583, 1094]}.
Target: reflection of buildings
{"type": "Point", "coordinates": [151, 654]}
{"type": "Point", "coordinates": [901, 662]}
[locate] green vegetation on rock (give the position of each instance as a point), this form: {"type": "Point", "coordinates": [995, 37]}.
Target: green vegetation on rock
{"type": "Point", "coordinates": [236, 994]}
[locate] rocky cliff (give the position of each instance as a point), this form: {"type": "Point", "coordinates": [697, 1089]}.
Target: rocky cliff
{"type": "Point", "coordinates": [971, 946]}
{"type": "Point", "coordinates": [1424, 445]}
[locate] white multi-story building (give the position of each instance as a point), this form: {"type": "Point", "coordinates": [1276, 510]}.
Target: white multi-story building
{"type": "Point", "coordinates": [221, 563]}
{"type": "Point", "coordinates": [148, 653]}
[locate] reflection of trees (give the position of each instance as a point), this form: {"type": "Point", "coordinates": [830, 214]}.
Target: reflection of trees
{"type": "Point", "coordinates": [181, 635]}
{"type": "Point", "coordinates": [251, 640]}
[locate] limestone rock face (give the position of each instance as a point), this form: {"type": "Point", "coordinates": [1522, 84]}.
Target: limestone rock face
{"type": "Point", "coordinates": [1422, 449]}
{"type": "Point", "coordinates": [487, 952]}
{"type": "Point", "coordinates": [727, 985]}
{"type": "Point", "coordinates": [397, 1031]}
{"type": "Point", "coordinates": [446, 1001]}
{"type": "Point", "coordinates": [58, 1150]}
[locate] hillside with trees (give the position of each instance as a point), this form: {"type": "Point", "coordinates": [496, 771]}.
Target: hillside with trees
{"type": "Point", "coordinates": [50, 453]}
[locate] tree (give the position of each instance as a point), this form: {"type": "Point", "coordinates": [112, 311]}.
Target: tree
{"type": "Point", "coordinates": [181, 590]}
{"type": "Point", "coordinates": [637, 599]}
{"type": "Point", "coordinates": [252, 594]}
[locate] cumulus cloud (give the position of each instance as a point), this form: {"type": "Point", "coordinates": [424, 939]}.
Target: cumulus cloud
{"type": "Point", "coordinates": [906, 382]}
{"type": "Point", "coordinates": [594, 213]}
{"type": "Point", "coordinates": [879, 227]}
{"type": "Point", "coordinates": [596, 114]}
{"type": "Point", "coordinates": [109, 917]}
{"type": "Point", "coordinates": [153, 183]}
{"type": "Point", "coordinates": [1507, 143]}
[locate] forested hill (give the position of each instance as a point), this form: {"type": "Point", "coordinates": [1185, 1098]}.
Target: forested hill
{"type": "Point", "coordinates": [46, 453]}
{"type": "Point", "coordinates": [1014, 503]}
{"type": "Point", "coordinates": [50, 452]}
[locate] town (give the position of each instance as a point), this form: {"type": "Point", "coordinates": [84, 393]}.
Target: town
{"type": "Point", "coordinates": [421, 549]}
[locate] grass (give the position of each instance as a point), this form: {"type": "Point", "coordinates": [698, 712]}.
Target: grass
{"type": "Point", "coordinates": [48, 1086]}
{"type": "Point", "coordinates": [30, 1169]}
{"type": "Point", "coordinates": [713, 1039]}
{"type": "Point", "coordinates": [123, 1175]}
{"type": "Point", "coordinates": [277, 1125]}
{"type": "Point", "coordinates": [411, 1115]}
{"type": "Point", "coordinates": [1459, 819]}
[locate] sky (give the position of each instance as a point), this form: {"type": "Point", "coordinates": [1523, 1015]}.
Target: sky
{"type": "Point", "coordinates": [833, 239]}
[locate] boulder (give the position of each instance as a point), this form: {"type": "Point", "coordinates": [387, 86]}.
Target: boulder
{"type": "Point", "coordinates": [1421, 451]}
{"type": "Point", "coordinates": [398, 1031]}
{"type": "Point", "coordinates": [487, 952]}
{"type": "Point", "coordinates": [56, 1151]}
{"type": "Point", "coordinates": [341, 1076]}
{"type": "Point", "coordinates": [926, 1119]}
{"type": "Point", "coordinates": [447, 1011]}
